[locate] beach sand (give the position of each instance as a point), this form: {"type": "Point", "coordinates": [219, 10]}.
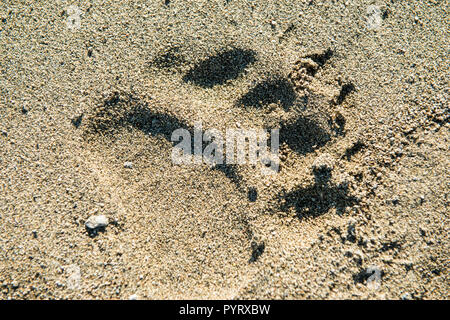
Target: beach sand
{"type": "Point", "coordinates": [358, 89]}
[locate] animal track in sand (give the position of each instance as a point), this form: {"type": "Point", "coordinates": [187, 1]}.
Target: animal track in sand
{"type": "Point", "coordinates": [127, 127]}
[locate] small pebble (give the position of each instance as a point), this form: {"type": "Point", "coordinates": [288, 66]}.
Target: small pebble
{"type": "Point", "coordinates": [95, 222]}
{"type": "Point", "coordinates": [406, 296]}
{"type": "Point", "coordinates": [133, 297]}
{"type": "Point", "coordinates": [128, 165]}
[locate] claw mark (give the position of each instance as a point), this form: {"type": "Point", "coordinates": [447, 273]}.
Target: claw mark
{"type": "Point", "coordinates": [354, 149]}
{"type": "Point", "coordinates": [77, 121]}
{"type": "Point", "coordinates": [306, 68]}
{"type": "Point", "coordinates": [287, 32]}
{"type": "Point", "coordinates": [257, 251]}
{"type": "Point", "coordinates": [345, 91]}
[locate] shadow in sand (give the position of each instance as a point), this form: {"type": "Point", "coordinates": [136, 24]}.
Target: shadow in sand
{"type": "Point", "coordinates": [303, 135]}
{"type": "Point", "coordinates": [159, 124]}
{"type": "Point", "coordinates": [364, 274]}
{"type": "Point", "coordinates": [317, 199]}
{"type": "Point", "coordinates": [95, 232]}
{"type": "Point", "coordinates": [257, 251]}
{"type": "Point", "coordinates": [273, 90]}
{"type": "Point", "coordinates": [346, 89]}
{"type": "Point", "coordinates": [320, 58]}
{"type": "Point", "coordinates": [170, 58]}
{"type": "Point", "coordinates": [154, 123]}
{"type": "Point", "coordinates": [220, 68]}
{"type": "Point", "coordinates": [126, 111]}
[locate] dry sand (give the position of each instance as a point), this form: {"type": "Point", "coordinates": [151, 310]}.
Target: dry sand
{"type": "Point", "coordinates": [360, 87]}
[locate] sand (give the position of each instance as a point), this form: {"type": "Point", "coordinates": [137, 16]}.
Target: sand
{"type": "Point", "coordinates": [358, 89]}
